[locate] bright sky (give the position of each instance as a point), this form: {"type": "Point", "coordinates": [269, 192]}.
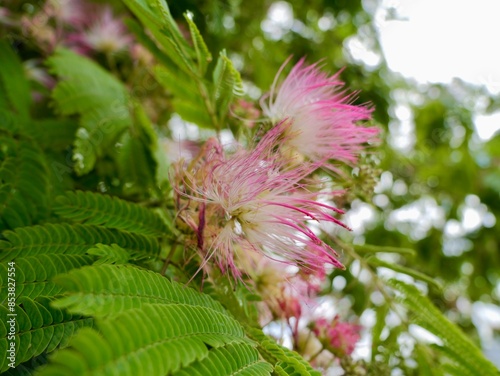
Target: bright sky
{"type": "Point", "coordinates": [435, 41]}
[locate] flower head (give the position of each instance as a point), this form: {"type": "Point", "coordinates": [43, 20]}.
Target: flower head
{"type": "Point", "coordinates": [105, 34]}
{"type": "Point", "coordinates": [339, 337]}
{"type": "Point", "coordinates": [323, 120]}
{"type": "Point", "coordinates": [251, 201]}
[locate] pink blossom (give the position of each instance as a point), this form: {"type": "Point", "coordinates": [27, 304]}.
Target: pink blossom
{"type": "Point", "coordinates": [251, 201]}
{"type": "Point", "coordinates": [104, 34]}
{"type": "Point", "coordinates": [339, 337]}
{"type": "Point", "coordinates": [323, 120]}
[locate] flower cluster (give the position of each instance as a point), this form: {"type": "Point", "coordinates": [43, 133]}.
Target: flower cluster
{"type": "Point", "coordinates": [253, 201]}
{"type": "Point", "coordinates": [263, 199]}
{"type": "Point", "coordinates": [250, 209]}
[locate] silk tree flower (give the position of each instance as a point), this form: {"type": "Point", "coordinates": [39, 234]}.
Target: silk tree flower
{"type": "Point", "coordinates": [338, 337]}
{"type": "Point", "coordinates": [251, 201]}
{"type": "Point", "coordinates": [104, 33]}
{"type": "Point", "coordinates": [323, 120]}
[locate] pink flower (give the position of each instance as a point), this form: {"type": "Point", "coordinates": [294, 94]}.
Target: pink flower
{"type": "Point", "coordinates": [74, 13]}
{"type": "Point", "coordinates": [323, 120]}
{"type": "Point", "coordinates": [104, 34]}
{"type": "Point", "coordinates": [338, 337]}
{"type": "Point", "coordinates": [251, 201]}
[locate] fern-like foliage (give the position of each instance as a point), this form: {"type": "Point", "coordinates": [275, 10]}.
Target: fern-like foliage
{"type": "Point", "coordinates": [34, 274]}
{"type": "Point", "coordinates": [24, 184]}
{"type": "Point", "coordinates": [152, 340]}
{"type": "Point", "coordinates": [109, 289]}
{"type": "Point", "coordinates": [112, 254]}
{"type": "Point", "coordinates": [70, 239]}
{"type": "Point", "coordinates": [107, 211]}
{"type": "Point", "coordinates": [465, 356]}
{"type": "Point", "coordinates": [286, 362]}
{"type": "Point", "coordinates": [183, 68]}
{"type": "Point", "coordinates": [234, 359]}
{"type": "Point", "coordinates": [39, 328]}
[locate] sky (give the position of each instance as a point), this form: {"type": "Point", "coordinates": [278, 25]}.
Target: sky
{"type": "Point", "coordinates": [437, 41]}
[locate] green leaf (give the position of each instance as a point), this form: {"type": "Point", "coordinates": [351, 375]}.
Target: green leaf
{"type": "Point", "coordinates": [98, 97]}
{"type": "Point", "coordinates": [108, 211]}
{"type": "Point", "coordinates": [287, 362]}
{"type": "Point", "coordinates": [191, 112]}
{"type": "Point", "coordinates": [402, 269]}
{"type": "Point", "coordinates": [39, 328]}
{"type": "Point", "coordinates": [111, 254]}
{"type": "Point", "coordinates": [33, 274]}
{"type": "Point", "coordinates": [136, 164]}
{"type": "Point", "coordinates": [109, 289]}
{"type": "Point", "coordinates": [13, 83]}
{"type": "Point", "coordinates": [153, 340]}
{"type": "Point", "coordinates": [369, 248]}
{"type": "Point", "coordinates": [147, 42]}
{"type": "Point", "coordinates": [377, 329]}
{"type": "Point", "coordinates": [155, 15]}
{"type": "Point", "coordinates": [187, 100]}
{"type": "Point", "coordinates": [24, 184]}
{"type": "Point", "coordinates": [234, 359]}
{"type": "Point", "coordinates": [70, 239]}
{"type": "Point", "coordinates": [457, 346]}
{"type": "Point", "coordinates": [227, 83]}
{"type": "Point", "coordinates": [55, 134]}
{"type": "Point", "coordinates": [203, 56]}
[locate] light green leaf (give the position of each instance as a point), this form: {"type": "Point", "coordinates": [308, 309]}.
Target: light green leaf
{"type": "Point", "coordinates": [108, 211]}
{"type": "Point", "coordinates": [13, 83]}
{"type": "Point", "coordinates": [234, 359]}
{"type": "Point", "coordinates": [402, 269]}
{"type": "Point", "coordinates": [109, 289]}
{"type": "Point", "coordinates": [153, 340]}
{"type": "Point", "coordinates": [70, 239]}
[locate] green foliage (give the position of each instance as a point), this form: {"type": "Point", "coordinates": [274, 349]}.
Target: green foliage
{"type": "Point", "coordinates": [24, 187]}
{"type": "Point", "coordinates": [14, 87]}
{"type": "Point", "coordinates": [203, 55]}
{"type": "Point", "coordinates": [183, 67]}
{"type": "Point", "coordinates": [24, 184]}
{"type": "Point", "coordinates": [70, 239]}
{"type": "Point", "coordinates": [101, 101]}
{"type": "Point", "coordinates": [227, 82]}
{"type": "Point", "coordinates": [39, 328]}
{"type": "Point", "coordinates": [34, 274]}
{"type": "Point", "coordinates": [234, 359]}
{"type": "Point", "coordinates": [109, 289]}
{"type": "Point", "coordinates": [136, 341]}
{"type": "Point", "coordinates": [459, 349]}
{"type": "Point", "coordinates": [287, 362]}
{"type": "Point", "coordinates": [373, 261]}
{"type": "Point", "coordinates": [112, 123]}
{"type": "Point", "coordinates": [111, 212]}
{"type": "Point", "coordinates": [112, 254]}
